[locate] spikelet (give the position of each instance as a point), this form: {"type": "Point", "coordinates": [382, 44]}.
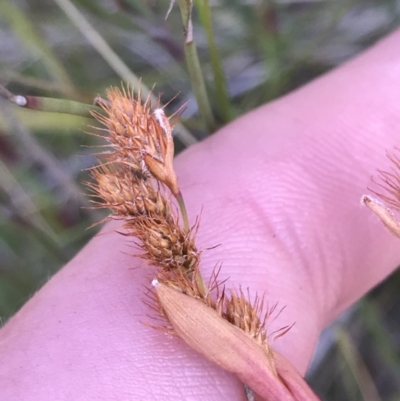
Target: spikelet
{"type": "Point", "coordinates": [139, 136]}
{"type": "Point", "coordinates": [118, 188]}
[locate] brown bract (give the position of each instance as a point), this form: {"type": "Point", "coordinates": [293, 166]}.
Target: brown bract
{"type": "Point", "coordinates": [267, 373]}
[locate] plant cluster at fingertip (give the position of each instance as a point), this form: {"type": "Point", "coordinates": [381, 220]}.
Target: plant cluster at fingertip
{"type": "Point", "coordinates": [135, 180]}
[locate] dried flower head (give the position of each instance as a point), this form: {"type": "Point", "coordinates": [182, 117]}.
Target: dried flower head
{"type": "Point", "coordinates": [117, 187]}
{"type": "Point", "coordinates": [131, 178]}
{"type": "Point", "coordinates": [139, 136]}
{"type": "Point", "coordinates": [132, 181]}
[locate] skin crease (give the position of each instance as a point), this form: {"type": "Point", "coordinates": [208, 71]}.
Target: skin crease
{"type": "Point", "coordinates": [279, 189]}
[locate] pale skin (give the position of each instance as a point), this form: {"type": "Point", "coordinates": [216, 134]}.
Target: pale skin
{"type": "Point", "coordinates": [279, 189]}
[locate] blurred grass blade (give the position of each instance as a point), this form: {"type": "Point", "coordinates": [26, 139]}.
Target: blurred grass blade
{"type": "Point", "coordinates": [40, 84]}
{"type": "Point", "coordinates": [27, 213]}
{"type": "Point", "coordinates": [221, 93]}
{"type": "Point", "coordinates": [20, 200]}
{"type": "Point", "coordinates": [354, 361]}
{"type": "Point", "coordinates": [32, 149]}
{"type": "Point", "coordinates": [385, 344]}
{"type": "Point", "coordinates": [140, 7]}
{"type": "Point", "coordinates": [130, 17]}
{"type": "Point", "coordinates": [271, 46]}
{"type": "Point", "coordinates": [193, 64]}
{"type": "Point", "coordinates": [97, 41]}
{"type": "Point", "coordinates": [22, 26]}
{"type": "Point", "coordinates": [114, 61]}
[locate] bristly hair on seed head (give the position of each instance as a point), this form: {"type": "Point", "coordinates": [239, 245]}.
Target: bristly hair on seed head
{"type": "Point", "coordinates": [390, 182]}
{"type": "Point", "coordinates": [132, 182]}
{"type": "Point", "coordinates": [139, 136]}
{"type": "Point", "coordinates": [133, 177]}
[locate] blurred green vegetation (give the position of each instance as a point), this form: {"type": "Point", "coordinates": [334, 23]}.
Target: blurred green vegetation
{"type": "Point", "coordinates": [250, 52]}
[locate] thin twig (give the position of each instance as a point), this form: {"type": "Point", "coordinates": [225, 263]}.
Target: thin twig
{"type": "Point", "coordinates": [193, 64]}
{"type": "Point", "coordinates": [221, 91]}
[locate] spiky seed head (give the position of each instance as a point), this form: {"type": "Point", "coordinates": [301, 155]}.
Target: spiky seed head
{"type": "Point", "coordinates": [139, 136]}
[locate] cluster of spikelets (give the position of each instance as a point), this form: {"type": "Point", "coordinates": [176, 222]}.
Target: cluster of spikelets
{"type": "Point", "coordinates": [136, 181]}
{"type": "Point", "coordinates": [132, 177]}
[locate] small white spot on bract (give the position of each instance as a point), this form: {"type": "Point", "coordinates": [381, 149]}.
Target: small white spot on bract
{"type": "Point", "coordinates": [161, 119]}
{"type": "Point", "coordinates": [159, 114]}
{"type": "Point", "coordinates": [20, 100]}
{"type": "Point", "coordinates": [155, 283]}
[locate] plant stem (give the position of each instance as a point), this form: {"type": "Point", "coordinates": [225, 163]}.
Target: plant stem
{"type": "Point", "coordinates": [49, 104]}
{"type": "Point", "coordinates": [221, 92]}
{"type": "Point", "coordinates": [357, 366]}
{"type": "Point", "coordinates": [199, 279]}
{"type": "Point", "coordinates": [193, 64]}
{"type": "Point", "coordinates": [183, 210]}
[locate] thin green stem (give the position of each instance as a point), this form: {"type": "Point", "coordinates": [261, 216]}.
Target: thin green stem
{"type": "Point", "coordinates": [49, 104]}
{"type": "Point", "coordinates": [271, 46]}
{"type": "Point", "coordinates": [357, 366]}
{"type": "Point", "coordinates": [183, 210]}
{"type": "Point", "coordinates": [221, 92]}
{"type": "Point", "coordinates": [193, 64]}
{"type": "Point", "coordinates": [199, 279]}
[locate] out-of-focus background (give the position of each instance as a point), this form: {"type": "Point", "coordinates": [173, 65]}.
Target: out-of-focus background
{"type": "Point", "coordinates": [75, 50]}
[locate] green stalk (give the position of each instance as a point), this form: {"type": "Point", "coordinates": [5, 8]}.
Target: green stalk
{"type": "Point", "coordinates": [183, 210]}
{"type": "Point", "coordinates": [357, 367]}
{"type": "Point", "coordinates": [49, 104]}
{"type": "Point", "coordinates": [373, 319]}
{"type": "Point", "coordinates": [221, 93]}
{"type": "Point", "coordinates": [271, 46]}
{"type": "Point", "coordinates": [59, 106]}
{"type": "Point", "coordinates": [199, 279]}
{"type": "Point", "coordinates": [193, 64]}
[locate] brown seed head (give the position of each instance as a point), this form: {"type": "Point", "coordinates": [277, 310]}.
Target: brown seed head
{"type": "Point", "coordinates": [245, 315]}
{"type": "Point", "coordinates": [132, 177]}
{"type": "Point", "coordinates": [139, 136]}
{"type": "Point", "coordinates": [117, 187]}
{"type": "Point", "coordinates": [165, 243]}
